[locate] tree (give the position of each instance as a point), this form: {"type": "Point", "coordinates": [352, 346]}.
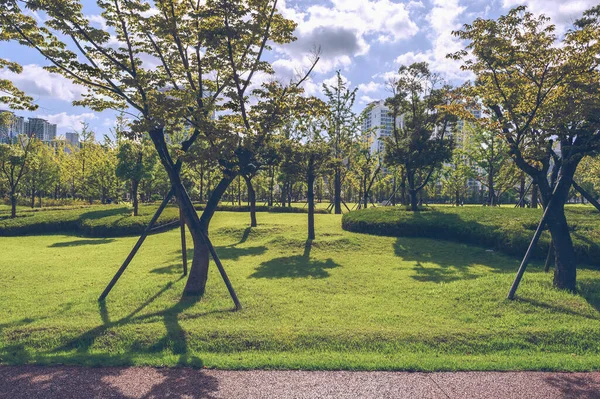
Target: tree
{"type": "Point", "coordinates": [134, 163]}
{"type": "Point", "coordinates": [306, 154]}
{"type": "Point", "coordinates": [208, 53]}
{"type": "Point", "coordinates": [456, 175]}
{"type": "Point", "coordinates": [490, 154]}
{"type": "Point", "coordinates": [418, 142]}
{"type": "Point", "coordinates": [14, 161]}
{"type": "Point", "coordinates": [541, 94]}
{"type": "Point", "coordinates": [341, 127]}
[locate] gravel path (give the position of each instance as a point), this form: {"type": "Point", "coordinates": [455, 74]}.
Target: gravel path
{"type": "Point", "coordinates": [72, 382]}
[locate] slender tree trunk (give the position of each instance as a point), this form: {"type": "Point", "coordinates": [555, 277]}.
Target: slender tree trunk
{"type": "Point", "coordinates": [252, 201]}
{"type": "Point", "coordinates": [201, 185]}
{"type": "Point", "coordinates": [198, 227]}
{"type": "Point", "coordinates": [134, 193]}
{"type": "Point", "coordinates": [13, 204]}
{"type": "Point", "coordinates": [271, 184]}
{"type": "Point", "coordinates": [365, 193]}
{"type": "Point", "coordinates": [394, 191]}
{"type": "Point", "coordinates": [311, 202]}
{"type": "Point", "coordinates": [534, 196]}
{"type": "Point", "coordinates": [337, 198]}
{"type": "Point", "coordinates": [522, 190]}
{"type": "Point", "coordinates": [491, 193]}
{"type": "Point", "coordinates": [457, 198]}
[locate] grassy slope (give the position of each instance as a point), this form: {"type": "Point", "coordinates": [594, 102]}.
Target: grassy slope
{"type": "Point", "coordinates": [349, 301]}
{"type": "Point", "coordinates": [506, 229]}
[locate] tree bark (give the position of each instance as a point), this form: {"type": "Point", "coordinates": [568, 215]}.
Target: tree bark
{"type": "Point", "coordinates": [534, 196]}
{"type": "Point", "coordinates": [522, 190]}
{"type": "Point", "coordinates": [311, 203]}
{"type": "Point", "coordinates": [13, 205]}
{"type": "Point", "coordinates": [252, 201]}
{"type": "Point", "coordinates": [134, 193]}
{"type": "Point", "coordinates": [337, 198]}
{"type": "Point", "coordinates": [271, 184]}
{"type": "Point", "coordinates": [198, 227]}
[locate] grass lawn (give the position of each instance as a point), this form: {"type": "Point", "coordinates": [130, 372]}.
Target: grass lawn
{"type": "Point", "coordinates": [345, 301]}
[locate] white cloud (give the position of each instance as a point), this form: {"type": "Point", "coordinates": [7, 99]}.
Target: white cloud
{"type": "Point", "coordinates": [367, 99]}
{"type": "Point", "coordinates": [562, 12]}
{"type": "Point", "coordinates": [370, 87]}
{"type": "Point", "coordinates": [37, 82]}
{"type": "Point", "coordinates": [344, 28]}
{"type": "Point", "coordinates": [443, 18]}
{"type": "Point", "coordinates": [69, 121]}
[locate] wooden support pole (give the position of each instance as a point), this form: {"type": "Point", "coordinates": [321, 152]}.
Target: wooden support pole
{"type": "Point", "coordinates": [137, 246]}
{"type": "Point", "coordinates": [534, 241]}
{"type": "Point", "coordinates": [524, 194]}
{"type": "Point", "coordinates": [343, 202]}
{"type": "Point", "coordinates": [214, 255]}
{"type": "Point", "coordinates": [183, 243]}
{"type": "Point", "coordinates": [586, 195]}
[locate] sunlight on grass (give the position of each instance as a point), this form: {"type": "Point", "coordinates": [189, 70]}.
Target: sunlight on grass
{"type": "Point", "coordinates": [344, 300]}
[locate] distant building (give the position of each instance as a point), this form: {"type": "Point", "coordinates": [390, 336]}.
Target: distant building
{"type": "Point", "coordinates": [15, 127]}
{"type": "Point", "coordinates": [41, 129]}
{"type": "Point", "coordinates": [72, 140]}
{"type": "Point", "coordinates": [380, 122]}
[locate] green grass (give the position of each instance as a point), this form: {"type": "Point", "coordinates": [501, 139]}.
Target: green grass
{"type": "Point", "coordinates": [506, 229]}
{"type": "Point", "coordinates": [347, 301]}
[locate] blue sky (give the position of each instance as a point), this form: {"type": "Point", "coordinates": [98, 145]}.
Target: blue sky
{"type": "Point", "coordinates": [366, 39]}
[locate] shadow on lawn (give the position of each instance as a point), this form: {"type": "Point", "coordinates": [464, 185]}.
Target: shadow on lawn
{"type": "Point", "coordinates": [300, 266]}
{"type": "Point", "coordinates": [174, 340]}
{"type": "Point", "coordinates": [441, 263]}
{"type": "Point", "coordinates": [77, 243]}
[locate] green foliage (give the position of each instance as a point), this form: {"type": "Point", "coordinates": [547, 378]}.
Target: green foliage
{"type": "Point", "coordinates": [504, 229]}
{"type": "Point", "coordinates": [346, 301]}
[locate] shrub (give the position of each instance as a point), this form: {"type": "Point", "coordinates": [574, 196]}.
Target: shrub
{"type": "Point", "coordinates": [504, 229]}
{"type": "Point", "coordinates": [263, 208]}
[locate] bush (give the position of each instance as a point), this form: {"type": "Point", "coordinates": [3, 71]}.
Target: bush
{"type": "Point", "coordinates": [97, 221]}
{"type": "Point", "coordinates": [507, 230]}
{"type": "Point", "coordinates": [263, 208]}
{"type": "Point", "coordinates": [104, 220]}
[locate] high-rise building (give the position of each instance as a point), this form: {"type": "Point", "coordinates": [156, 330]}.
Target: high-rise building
{"type": "Point", "coordinates": [72, 139]}
{"type": "Point", "coordinates": [41, 129]}
{"type": "Point", "coordinates": [380, 123]}
{"type": "Point", "coordinates": [14, 127]}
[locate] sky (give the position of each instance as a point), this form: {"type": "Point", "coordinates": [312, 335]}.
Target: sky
{"type": "Point", "coordinates": [367, 40]}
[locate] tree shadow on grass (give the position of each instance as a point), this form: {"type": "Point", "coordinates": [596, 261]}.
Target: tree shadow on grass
{"type": "Point", "coordinates": [441, 263]}
{"type": "Point", "coordinates": [300, 266]}
{"type": "Point", "coordinates": [77, 243]}
{"type": "Point", "coordinates": [174, 340]}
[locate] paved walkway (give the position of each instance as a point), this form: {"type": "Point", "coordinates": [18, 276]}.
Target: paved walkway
{"type": "Point", "coordinates": [88, 383]}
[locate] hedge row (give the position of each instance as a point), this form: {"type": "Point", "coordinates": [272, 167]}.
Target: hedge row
{"type": "Point", "coordinates": [503, 229]}
{"type": "Point", "coordinates": [98, 221]}
{"type": "Point", "coordinates": [104, 221]}
{"type": "Point", "coordinates": [263, 208]}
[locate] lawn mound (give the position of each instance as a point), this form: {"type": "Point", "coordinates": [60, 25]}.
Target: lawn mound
{"type": "Point", "coordinates": [107, 220]}
{"type": "Point", "coordinates": [507, 230]}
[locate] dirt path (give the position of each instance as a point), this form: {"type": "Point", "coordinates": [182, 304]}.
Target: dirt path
{"type": "Point", "coordinates": [88, 383]}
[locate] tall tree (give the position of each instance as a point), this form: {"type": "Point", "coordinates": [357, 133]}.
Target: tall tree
{"type": "Point", "coordinates": [342, 126]}
{"type": "Point", "coordinates": [419, 141]}
{"type": "Point", "coordinates": [14, 164]}
{"type": "Point", "coordinates": [208, 53]}
{"type": "Point", "coordinates": [541, 94]}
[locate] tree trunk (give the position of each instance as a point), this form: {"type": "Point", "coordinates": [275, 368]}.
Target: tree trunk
{"type": "Point", "coordinates": [457, 198]}
{"type": "Point", "coordinates": [365, 193]}
{"type": "Point", "coordinates": [201, 185]}
{"type": "Point", "coordinates": [311, 204]}
{"type": "Point", "coordinates": [394, 191]}
{"type": "Point", "coordinates": [13, 205]}
{"type": "Point", "coordinates": [534, 196]}
{"type": "Point", "coordinates": [134, 193]}
{"type": "Point", "coordinates": [522, 190]}
{"type": "Point", "coordinates": [198, 227]}
{"type": "Point", "coordinates": [491, 193]}
{"type": "Point", "coordinates": [337, 198]}
{"type": "Point", "coordinates": [252, 201]}
{"type": "Point", "coordinates": [271, 184]}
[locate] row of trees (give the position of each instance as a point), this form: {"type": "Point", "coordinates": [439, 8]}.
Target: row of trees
{"type": "Point", "coordinates": [203, 108]}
